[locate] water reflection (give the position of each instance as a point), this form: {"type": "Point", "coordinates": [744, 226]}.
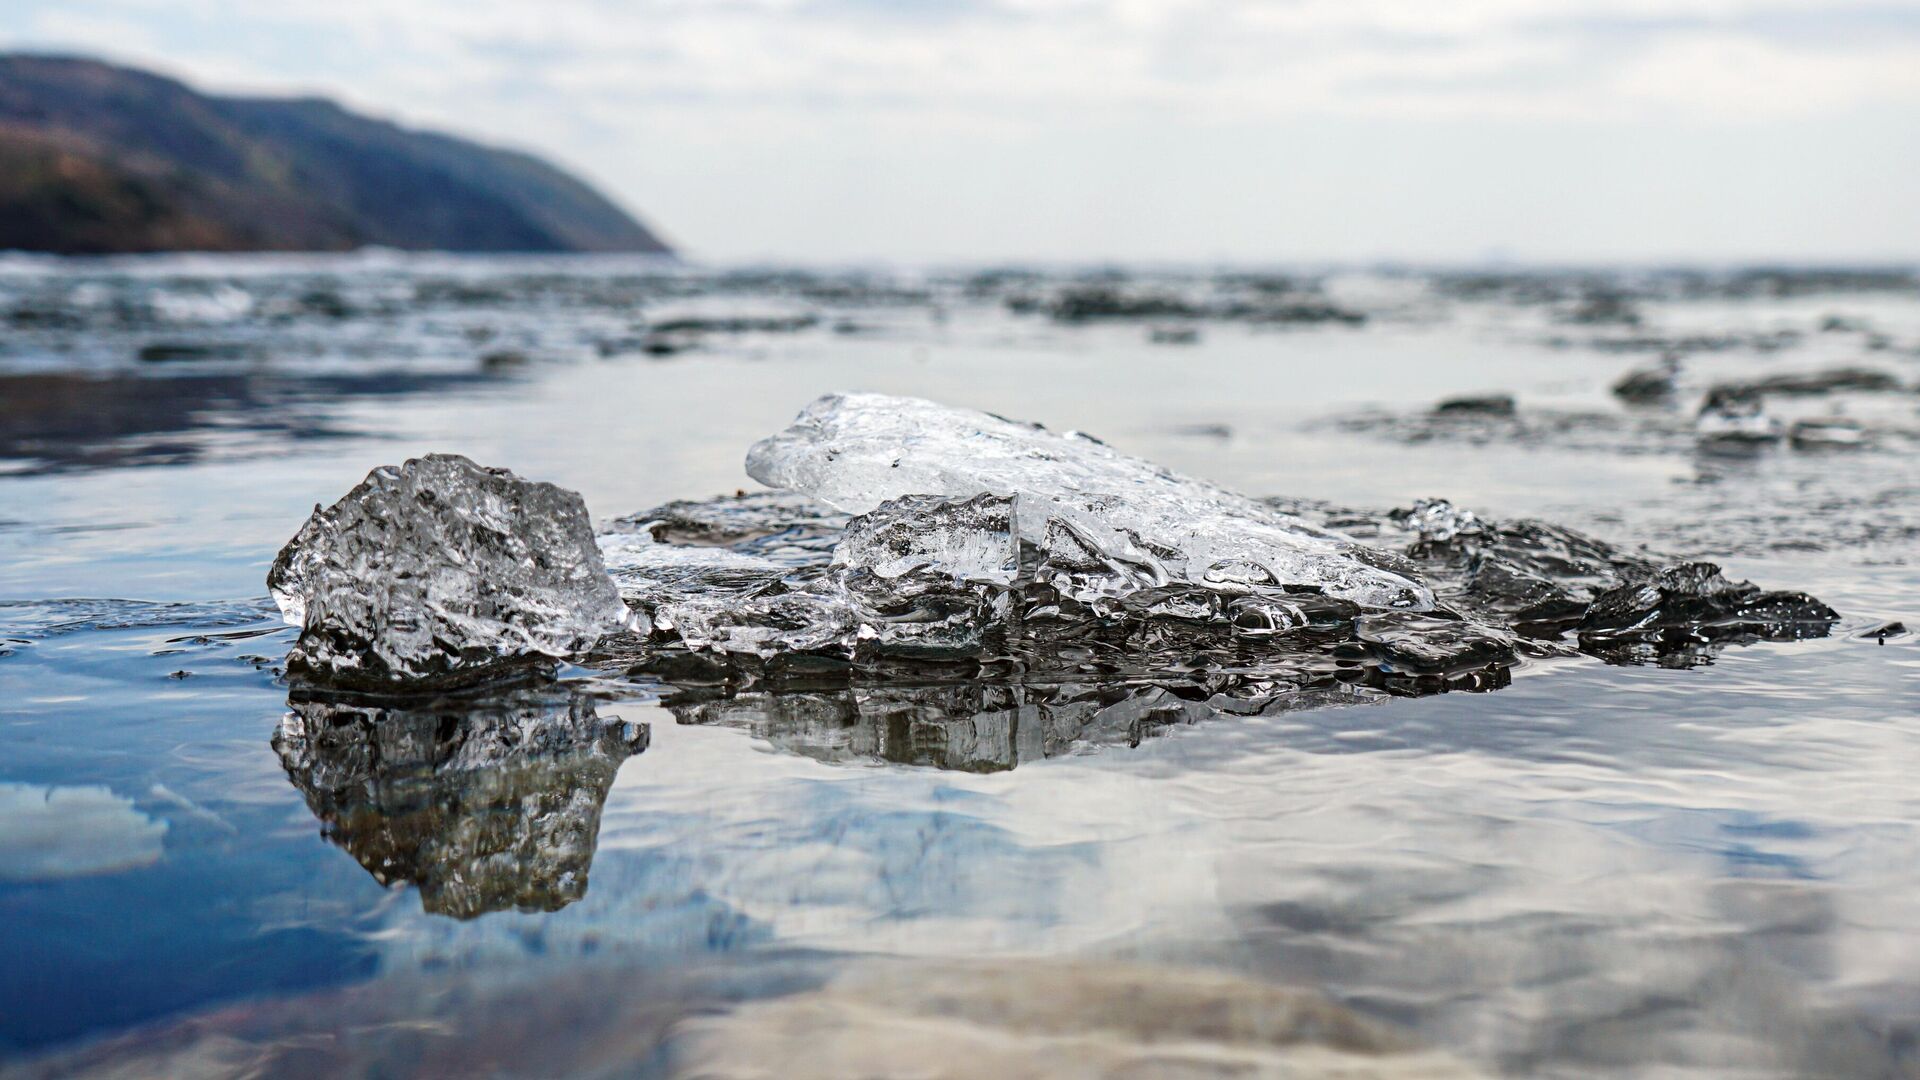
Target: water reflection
{"type": "Point", "coordinates": [484, 802]}
{"type": "Point", "coordinates": [982, 727]}
{"type": "Point", "coordinates": [50, 833]}
{"type": "Point", "coordinates": [64, 420]}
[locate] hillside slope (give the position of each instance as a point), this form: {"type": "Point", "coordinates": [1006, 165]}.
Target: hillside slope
{"type": "Point", "coordinates": [99, 159]}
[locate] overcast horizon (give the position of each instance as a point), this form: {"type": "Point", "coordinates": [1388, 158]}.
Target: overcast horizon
{"type": "Point", "coordinates": [1702, 131]}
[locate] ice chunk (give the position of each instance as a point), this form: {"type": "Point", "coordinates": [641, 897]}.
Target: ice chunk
{"type": "Point", "coordinates": [966, 540]}
{"type": "Point", "coordinates": [650, 573]}
{"type": "Point", "coordinates": [1735, 418]}
{"type": "Point", "coordinates": [1120, 521]}
{"type": "Point", "coordinates": [440, 570]}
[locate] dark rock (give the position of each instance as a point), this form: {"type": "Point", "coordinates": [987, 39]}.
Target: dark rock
{"type": "Point", "coordinates": [1696, 598]}
{"type": "Point", "coordinates": [167, 352]}
{"type": "Point", "coordinates": [1832, 380]}
{"type": "Point", "coordinates": [734, 324]}
{"type": "Point", "coordinates": [1479, 405]}
{"type": "Point", "coordinates": [1087, 303]}
{"type": "Point", "coordinates": [1648, 385]}
{"type": "Point", "coordinates": [1602, 308]}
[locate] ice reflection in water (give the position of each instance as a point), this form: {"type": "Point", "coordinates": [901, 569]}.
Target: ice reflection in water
{"type": "Point", "coordinates": [1553, 880]}
{"type": "Point", "coordinates": [484, 803]}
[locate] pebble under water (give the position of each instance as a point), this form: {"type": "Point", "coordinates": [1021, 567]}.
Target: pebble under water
{"type": "Point", "coordinates": [1597, 809]}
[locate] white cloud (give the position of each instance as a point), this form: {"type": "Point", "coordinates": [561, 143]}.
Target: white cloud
{"type": "Point", "coordinates": [48, 833]}
{"type": "Point", "coordinates": [696, 109]}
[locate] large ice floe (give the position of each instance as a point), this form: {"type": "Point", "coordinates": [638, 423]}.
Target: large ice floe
{"type": "Point", "coordinates": [1105, 524]}
{"type": "Point", "coordinates": [943, 586]}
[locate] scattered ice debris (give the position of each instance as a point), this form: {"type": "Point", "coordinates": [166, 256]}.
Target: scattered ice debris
{"type": "Point", "coordinates": [485, 802]}
{"type": "Point", "coordinates": [441, 570]}
{"type": "Point", "coordinates": [1111, 523]}
{"type": "Point", "coordinates": [1734, 418]}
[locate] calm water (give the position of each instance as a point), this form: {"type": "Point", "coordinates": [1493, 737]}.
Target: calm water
{"type": "Point", "coordinates": [1600, 870]}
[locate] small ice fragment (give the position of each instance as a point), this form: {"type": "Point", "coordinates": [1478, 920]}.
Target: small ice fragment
{"type": "Point", "coordinates": [966, 540]}
{"type": "Point", "coordinates": [1827, 433]}
{"type": "Point", "coordinates": [1735, 417]}
{"type": "Point", "coordinates": [1078, 499]}
{"type": "Point", "coordinates": [438, 570]}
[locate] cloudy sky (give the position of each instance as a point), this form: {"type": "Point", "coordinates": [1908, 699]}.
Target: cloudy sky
{"type": "Point", "coordinates": [1288, 130]}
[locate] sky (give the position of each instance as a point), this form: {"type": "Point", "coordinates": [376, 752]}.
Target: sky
{"type": "Point", "coordinates": [1287, 131]}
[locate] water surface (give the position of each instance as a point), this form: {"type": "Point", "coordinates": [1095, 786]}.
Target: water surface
{"type": "Point", "coordinates": [1598, 870]}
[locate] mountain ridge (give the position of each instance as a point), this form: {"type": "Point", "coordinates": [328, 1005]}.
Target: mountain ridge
{"type": "Point", "coordinates": [101, 159]}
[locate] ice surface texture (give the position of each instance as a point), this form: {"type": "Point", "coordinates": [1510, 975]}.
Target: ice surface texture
{"type": "Point", "coordinates": [1115, 523]}
{"type": "Point", "coordinates": [441, 570]}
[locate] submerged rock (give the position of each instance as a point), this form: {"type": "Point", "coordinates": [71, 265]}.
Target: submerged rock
{"type": "Point", "coordinates": [1645, 386]}
{"type": "Point", "coordinates": [1481, 405]}
{"type": "Point", "coordinates": [440, 570]}
{"type": "Point", "coordinates": [485, 803]}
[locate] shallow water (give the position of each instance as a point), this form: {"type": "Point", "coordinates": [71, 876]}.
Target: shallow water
{"type": "Point", "coordinates": [1598, 870]}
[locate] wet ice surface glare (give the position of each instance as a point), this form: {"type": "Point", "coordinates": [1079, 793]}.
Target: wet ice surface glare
{"type": "Point", "coordinates": [891, 762]}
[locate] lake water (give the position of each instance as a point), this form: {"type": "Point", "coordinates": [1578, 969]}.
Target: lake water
{"type": "Point", "coordinates": [1710, 868]}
